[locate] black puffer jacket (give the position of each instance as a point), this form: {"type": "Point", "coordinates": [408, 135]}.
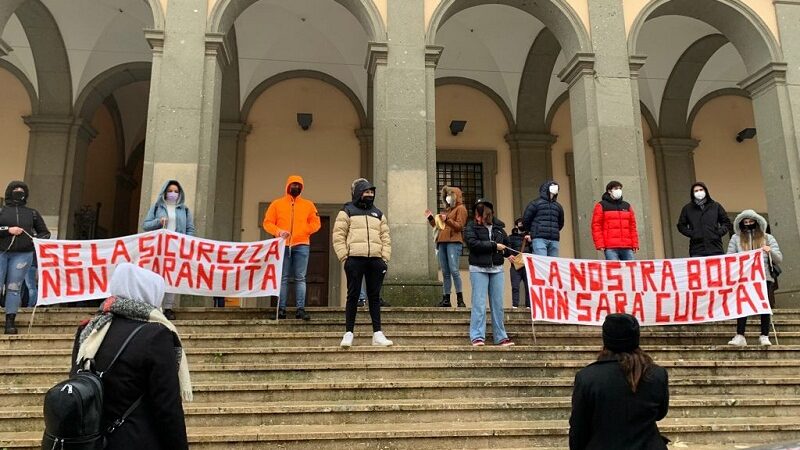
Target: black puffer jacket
{"type": "Point", "coordinates": [544, 217]}
{"type": "Point", "coordinates": [482, 247]}
{"type": "Point", "coordinates": [516, 239]}
{"type": "Point", "coordinates": [16, 214]}
{"type": "Point", "coordinates": [704, 225]}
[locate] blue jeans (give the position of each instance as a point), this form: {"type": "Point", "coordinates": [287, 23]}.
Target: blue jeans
{"type": "Point", "coordinates": [363, 294]}
{"type": "Point", "coordinates": [32, 281]}
{"type": "Point", "coordinates": [619, 254]}
{"type": "Point", "coordinates": [295, 263]}
{"type": "Point", "coordinates": [13, 268]}
{"type": "Point", "coordinates": [449, 258]}
{"type": "Point", "coordinates": [545, 247]}
{"type": "Point", "coordinates": [483, 283]}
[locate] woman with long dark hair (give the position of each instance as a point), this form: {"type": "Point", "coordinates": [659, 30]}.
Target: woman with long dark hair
{"type": "Point", "coordinates": [618, 399]}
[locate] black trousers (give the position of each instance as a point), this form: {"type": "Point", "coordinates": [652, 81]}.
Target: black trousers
{"type": "Point", "coordinates": [517, 277]}
{"type": "Point", "coordinates": [373, 270]}
{"type": "Point", "coordinates": [741, 322]}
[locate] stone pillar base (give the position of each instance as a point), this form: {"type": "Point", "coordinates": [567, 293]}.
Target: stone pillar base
{"type": "Point", "coordinates": [412, 292]}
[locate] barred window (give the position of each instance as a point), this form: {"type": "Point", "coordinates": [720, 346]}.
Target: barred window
{"type": "Point", "coordinates": [466, 176]}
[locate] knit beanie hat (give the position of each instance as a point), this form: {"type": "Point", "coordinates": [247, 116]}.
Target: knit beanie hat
{"type": "Point", "coordinates": [621, 333]}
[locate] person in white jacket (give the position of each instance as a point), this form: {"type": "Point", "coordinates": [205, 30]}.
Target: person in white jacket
{"type": "Point", "coordinates": [751, 234]}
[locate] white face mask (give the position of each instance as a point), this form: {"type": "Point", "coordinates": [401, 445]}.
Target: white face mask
{"type": "Point", "coordinates": [616, 194]}
{"type": "Point", "coordinates": [700, 195]}
{"type": "Point", "coordinates": [554, 189]}
{"type": "Point", "coordinates": [449, 199]}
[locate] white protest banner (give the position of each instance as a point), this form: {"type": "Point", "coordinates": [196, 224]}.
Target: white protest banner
{"type": "Point", "coordinates": [71, 271]}
{"type": "Point", "coordinates": [657, 292]}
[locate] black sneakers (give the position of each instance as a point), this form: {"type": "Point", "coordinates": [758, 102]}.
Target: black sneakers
{"type": "Point", "coordinates": [301, 314]}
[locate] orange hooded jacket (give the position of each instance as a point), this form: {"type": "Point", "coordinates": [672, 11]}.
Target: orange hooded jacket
{"type": "Point", "coordinates": [298, 216]}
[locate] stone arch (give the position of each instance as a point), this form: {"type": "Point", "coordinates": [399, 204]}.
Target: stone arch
{"type": "Point", "coordinates": [681, 83]}
{"type": "Point", "coordinates": [313, 74]}
{"type": "Point", "coordinates": [737, 92]}
{"type": "Point", "coordinates": [535, 82]}
{"type": "Point", "coordinates": [557, 15]}
{"type": "Point", "coordinates": [551, 113]}
{"type": "Point", "coordinates": [649, 118]}
{"type": "Point", "coordinates": [103, 85]}
{"type": "Point", "coordinates": [486, 90]}
{"type": "Point", "coordinates": [8, 7]}
{"type": "Point", "coordinates": [733, 18]}
{"type": "Point", "coordinates": [225, 12]}
{"type": "Point", "coordinates": [26, 83]}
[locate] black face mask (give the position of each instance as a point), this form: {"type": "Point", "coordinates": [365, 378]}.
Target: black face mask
{"type": "Point", "coordinates": [18, 196]}
{"type": "Point", "coordinates": [750, 227]}
{"type": "Point", "coordinates": [367, 201]}
{"type": "Point", "coordinates": [294, 191]}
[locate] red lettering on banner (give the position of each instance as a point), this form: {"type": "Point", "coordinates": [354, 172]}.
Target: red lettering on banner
{"type": "Point", "coordinates": [711, 300]}
{"type": "Point", "coordinates": [595, 270]}
{"type": "Point", "coordinates": [585, 314]}
{"type": "Point", "coordinates": [714, 273]}
{"type": "Point", "coordinates": [96, 260]}
{"type": "Point", "coordinates": [694, 273]}
{"type": "Point", "coordinates": [729, 278]}
{"type": "Point", "coordinates": [251, 278]}
{"type": "Point", "coordinates": [185, 273]}
{"type": "Point", "coordinates": [549, 303]}
{"type": "Point", "coordinates": [239, 258]}
{"type": "Point", "coordinates": [631, 266]}
{"type": "Point", "coordinates": [668, 275]}
{"type": "Point", "coordinates": [225, 271]}
{"type": "Point", "coordinates": [254, 258]}
{"type": "Point", "coordinates": [695, 300]}
{"type": "Point", "coordinates": [120, 251]}
{"type": "Point", "coordinates": [638, 307]}
{"type": "Point", "coordinates": [168, 248]}
{"type": "Point", "coordinates": [169, 267]}
{"type": "Point", "coordinates": [205, 276]}
{"type": "Point", "coordinates": [74, 287]}
{"type": "Point", "coordinates": [238, 283]}
{"type": "Point", "coordinates": [757, 269]}
{"type": "Point", "coordinates": [47, 259]}
{"type": "Point", "coordinates": [681, 307]}
{"type": "Point", "coordinates": [760, 292]}
{"type": "Point", "coordinates": [274, 251]}
{"type": "Point", "coordinates": [555, 275]}
{"type": "Point", "coordinates": [724, 293]}
{"type": "Point", "coordinates": [742, 297]}
{"type": "Point", "coordinates": [51, 283]}
{"type": "Point", "coordinates": [204, 251]}
{"type": "Point", "coordinates": [98, 279]}
{"type": "Point", "coordinates": [186, 253]}
{"type": "Point", "coordinates": [146, 249]}
{"type": "Point", "coordinates": [620, 302]}
{"type": "Point", "coordinates": [72, 255]}
{"type": "Point", "coordinates": [743, 273]}
{"type": "Point", "coordinates": [602, 305]}
{"type": "Point", "coordinates": [222, 253]}
{"type": "Point", "coordinates": [660, 298]}
{"type": "Point", "coordinates": [269, 277]}
{"type": "Point", "coordinates": [613, 276]}
{"type": "Point", "coordinates": [534, 280]}
{"type": "Point", "coordinates": [648, 270]}
{"type": "Point", "coordinates": [577, 273]}
{"type": "Point", "coordinates": [155, 265]}
{"type": "Point", "coordinates": [537, 302]}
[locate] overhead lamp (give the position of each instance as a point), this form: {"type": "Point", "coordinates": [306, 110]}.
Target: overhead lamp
{"type": "Point", "coordinates": [304, 120]}
{"type": "Point", "coordinates": [457, 126]}
{"type": "Point", "coordinates": [747, 133]}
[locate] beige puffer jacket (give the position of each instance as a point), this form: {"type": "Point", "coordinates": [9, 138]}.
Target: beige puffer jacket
{"type": "Point", "coordinates": [361, 232]}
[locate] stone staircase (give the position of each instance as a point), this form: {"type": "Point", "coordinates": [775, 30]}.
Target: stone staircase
{"type": "Point", "coordinates": [266, 384]}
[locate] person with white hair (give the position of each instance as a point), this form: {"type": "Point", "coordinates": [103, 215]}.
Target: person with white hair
{"type": "Point", "coordinates": [152, 370]}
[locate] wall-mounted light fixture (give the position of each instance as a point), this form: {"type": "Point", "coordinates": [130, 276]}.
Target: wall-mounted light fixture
{"type": "Point", "coordinates": [304, 120]}
{"type": "Point", "coordinates": [747, 133]}
{"type": "Point", "coordinates": [457, 126]}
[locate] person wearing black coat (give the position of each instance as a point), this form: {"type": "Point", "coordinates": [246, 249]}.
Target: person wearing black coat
{"type": "Point", "coordinates": [617, 400]}
{"type": "Point", "coordinates": [543, 220]}
{"type": "Point", "coordinates": [516, 242]}
{"type": "Point", "coordinates": [487, 242]}
{"type": "Point", "coordinates": [17, 224]}
{"type": "Point", "coordinates": [704, 221]}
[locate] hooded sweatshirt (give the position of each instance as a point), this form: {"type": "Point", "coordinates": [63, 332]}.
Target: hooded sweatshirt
{"type": "Point", "coordinates": [297, 215]}
{"type": "Point", "coordinates": [743, 236]}
{"type": "Point", "coordinates": [544, 217]}
{"type": "Point", "coordinates": [184, 223]}
{"type": "Point", "coordinates": [704, 223]}
{"type": "Point", "coordinates": [15, 213]}
{"type": "Point", "coordinates": [361, 230]}
{"type": "Point", "coordinates": [456, 217]}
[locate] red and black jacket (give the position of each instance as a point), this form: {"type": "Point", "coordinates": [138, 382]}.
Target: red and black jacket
{"type": "Point", "coordinates": [614, 224]}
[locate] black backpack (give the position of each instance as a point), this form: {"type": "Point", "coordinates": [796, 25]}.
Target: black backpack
{"type": "Point", "coordinates": [73, 409]}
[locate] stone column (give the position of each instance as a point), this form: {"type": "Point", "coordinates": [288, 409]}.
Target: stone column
{"type": "Point", "coordinates": [531, 165]}
{"type": "Point", "coordinates": [401, 151]}
{"type": "Point", "coordinates": [365, 140]}
{"type": "Point", "coordinates": [183, 117]}
{"type": "Point", "coordinates": [675, 171]}
{"type": "Point", "coordinates": [230, 136]}
{"type": "Point", "coordinates": [606, 125]}
{"type": "Point", "coordinates": [81, 135]}
{"type": "Point", "coordinates": [239, 194]}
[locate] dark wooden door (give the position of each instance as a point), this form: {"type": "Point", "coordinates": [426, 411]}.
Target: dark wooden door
{"type": "Point", "coordinates": [318, 265]}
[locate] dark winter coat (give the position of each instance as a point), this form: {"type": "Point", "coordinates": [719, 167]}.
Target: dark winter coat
{"type": "Point", "coordinates": [704, 226]}
{"type": "Point", "coordinates": [544, 217]}
{"type": "Point", "coordinates": [482, 247]}
{"type": "Point", "coordinates": [607, 415]}
{"type": "Point", "coordinates": [516, 239]}
{"type": "Point", "coordinates": [16, 214]}
{"type": "Point", "coordinates": [148, 366]}
{"type": "Point", "coordinates": [614, 224]}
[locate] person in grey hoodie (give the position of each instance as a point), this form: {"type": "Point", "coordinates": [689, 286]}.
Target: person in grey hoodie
{"type": "Point", "coordinates": [170, 211]}
{"type": "Point", "coordinates": [751, 234]}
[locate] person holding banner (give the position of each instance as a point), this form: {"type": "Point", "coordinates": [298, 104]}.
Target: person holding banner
{"type": "Point", "coordinates": [294, 219]}
{"type": "Point", "coordinates": [17, 224]}
{"type": "Point", "coordinates": [751, 234]}
{"type": "Point", "coordinates": [704, 221]}
{"type": "Point", "coordinates": [450, 241]}
{"type": "Point", "coordinates": [362, 243]}
{"type": "Point", "coordinates": [617, 400]}
{"type": "Point", "coordinates": [487, 242]}
{"type": "Point", "coordinates": [614, 225]}
{"type": "Point", "coordinates": [170, 212]}
{"type": "Point", "coordinates": [543, 220]}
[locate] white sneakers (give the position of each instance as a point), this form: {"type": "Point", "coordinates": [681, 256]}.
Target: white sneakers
{"type": "Point", "coordinates": [378, 339]}
{"type": "Point", "coordinates": [740, 341]}
{"type": "Point", "coordinates": [347, 340]}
